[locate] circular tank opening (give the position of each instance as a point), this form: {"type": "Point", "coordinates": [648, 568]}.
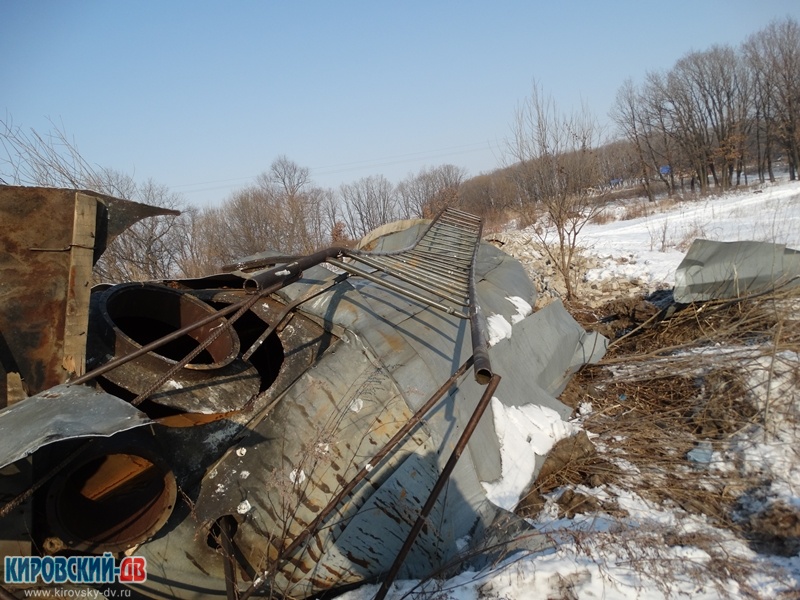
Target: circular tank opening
{"type": "Point", "coordinates": [111, 502]}
{"type": "Point", "coordinates": [144, 314]}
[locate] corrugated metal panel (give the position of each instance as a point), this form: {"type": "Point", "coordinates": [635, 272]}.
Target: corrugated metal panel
{"type": "Point", "coordinates": [717, 270]}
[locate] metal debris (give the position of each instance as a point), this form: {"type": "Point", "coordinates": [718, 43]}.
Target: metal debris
{"type": "Point", "coordinates": [719, 270]}
{"type": "Point", "coordinates": [318, 420]}
{"type": "Point", "coordinates": [63, 412]}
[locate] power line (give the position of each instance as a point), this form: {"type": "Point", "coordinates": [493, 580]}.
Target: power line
{"type": "Point", "coordinates": [351, 166]}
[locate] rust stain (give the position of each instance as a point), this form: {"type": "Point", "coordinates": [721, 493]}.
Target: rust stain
{"type": "Point", "coordinates": [361, 562]}
{"type": "Point", "coordinates": [299, 563]}
{"type": "Point", "coordinates": [312, 554]}
{"type": "Point", "coordinates": [310, 504]}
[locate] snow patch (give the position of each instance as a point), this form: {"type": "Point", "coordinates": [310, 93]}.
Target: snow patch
{"type": "Point", "coordinates": [523, 308]}
{"type": "Point", "coordinates": [499, 329]}
{"type": "Point", "coordinates": [297, 476]}
{"type": "Point", "coordinates": [523, 432]}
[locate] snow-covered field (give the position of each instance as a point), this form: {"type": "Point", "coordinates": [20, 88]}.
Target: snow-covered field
{"type": "Point", "coordinates": [645, 549]}
{"type": "Point", "coordinates": [650, 247]}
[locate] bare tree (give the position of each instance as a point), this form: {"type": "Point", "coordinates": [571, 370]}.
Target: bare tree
{"type": "Point", "coordinates": [239, 227]}
{"type": "Point", "coordinates": [628, 114]}
{"type": "Point", "coordinates": [298, 206]}
{"type": "Point", "coordinates": [713, 83]}
{"type": "Point", "coordinates": [198, 256]}
{"type": "Point", "coordinates": [699, 117]}
{"type": "Point", "coordinates": [153, 248]}
{"type": "Point", "coordinates": [764, 123]}
{"type": "Point", "coordinates": [49, 160]}
{"type": "Point", "coordinates": [557, 167]}
{"type": "Point", "coordinates": [774, 56]}
{"type": "Point", "coordinates": [283, 212]}
{"type": "Point", "coordinates": [288, 175]}
{"type": "Point", "coordinates": [429, 191]}
{"type": "Point", "coordinates": [488, 195]}
{"type": "Point", "coordinates": [369, 203]}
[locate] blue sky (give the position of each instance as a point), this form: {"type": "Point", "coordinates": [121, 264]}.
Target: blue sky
{"type": "Point", "coordinates": [203, 96]}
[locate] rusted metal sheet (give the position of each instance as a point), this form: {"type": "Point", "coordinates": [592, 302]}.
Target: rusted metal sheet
{"type": "Point", "coordinates": [49, 240]}
{"type": "Point", "coordinates": [116, 493]}
{"type": "Point", "coordinates": [127, 317]}
{"type": "Point", "coordinates": [331, 421]}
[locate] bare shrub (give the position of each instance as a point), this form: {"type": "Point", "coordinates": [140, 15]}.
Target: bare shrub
{"type": "Point", "coordinates": [557, 168]}
{"type": "Point", "coordinates": [689, 235]}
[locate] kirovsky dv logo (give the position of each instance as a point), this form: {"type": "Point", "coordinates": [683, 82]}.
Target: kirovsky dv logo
{"type": "Point", "coordinates": [75, 569]}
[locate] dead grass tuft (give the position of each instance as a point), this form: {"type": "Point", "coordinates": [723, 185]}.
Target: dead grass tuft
{"type": "Point", "coordinates": [636, 210]}
{"type": "Point", "coordinates": [669, 401]}
{"type": "Point", "coordinates": [750, 321]}
{"type": "Point", "coordinates": [572, 461]}
{"type": "Point", "coordinates": [602, 217]}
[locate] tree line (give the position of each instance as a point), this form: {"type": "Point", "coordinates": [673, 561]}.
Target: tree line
{"type": "Point", "coordinates": [715, 119]}
{"type": "Point", "coordinates": [717, 114]}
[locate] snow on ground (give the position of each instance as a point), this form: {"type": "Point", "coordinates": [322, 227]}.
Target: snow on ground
{"type": "Point", "coordinates": [644, 550]}
{"type": "Point", "coordinates": [650, 247]}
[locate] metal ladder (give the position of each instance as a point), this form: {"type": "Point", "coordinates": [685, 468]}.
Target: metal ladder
{"type": "Point", "coordinates": [439, 263]}
{"type": "Point", "coordinates": [438, 270]}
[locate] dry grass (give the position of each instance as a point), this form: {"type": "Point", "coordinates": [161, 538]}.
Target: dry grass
{"type": "Point", "coordinates": [768, 320]}
{"type": "Point", "coordinates": [635, 210]}
{"type": "Point", "coordinates": [602, 217]}
{"type": "Point", "coordinates": [669, 403]}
